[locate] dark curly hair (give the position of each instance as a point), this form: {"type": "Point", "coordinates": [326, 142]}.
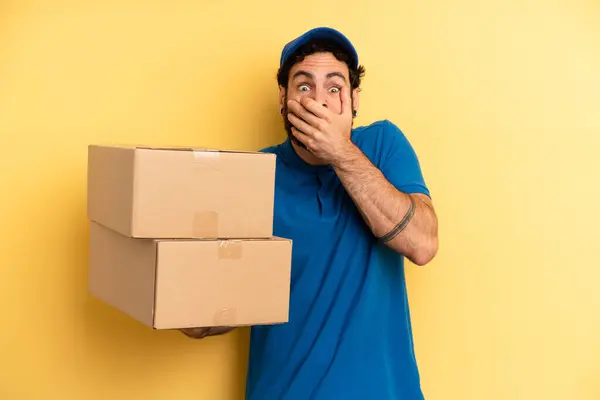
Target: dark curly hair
{"type": "Point", "coordinates": [319, 46]}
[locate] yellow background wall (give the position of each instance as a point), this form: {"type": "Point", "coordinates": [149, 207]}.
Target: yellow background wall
{"type": "Point", "coordinates": [501, 99]}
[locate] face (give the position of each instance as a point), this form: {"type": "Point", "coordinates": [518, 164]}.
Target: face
{"type": "Point", "coordinates": [319, 76]}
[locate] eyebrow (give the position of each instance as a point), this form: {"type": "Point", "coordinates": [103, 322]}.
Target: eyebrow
{"type": "Point", "coordinates": [303, 73]}
{"type": "Point", "coordinates": [311, 76]}
{"type": "Point", "coordinates": [334, 74]}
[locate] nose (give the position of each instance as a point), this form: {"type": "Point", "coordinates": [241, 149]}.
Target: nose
{"type": "Point", "coordinates": [320, 96]}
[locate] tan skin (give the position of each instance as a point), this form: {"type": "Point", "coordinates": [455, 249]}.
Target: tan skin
{"type": "Point", "coordinates": [320, 109]}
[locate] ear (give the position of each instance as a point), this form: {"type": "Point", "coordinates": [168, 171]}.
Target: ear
{"type": "Point", "coordinates": [282, 92]}
{"type": "Point", "coordinates": [355, 99]}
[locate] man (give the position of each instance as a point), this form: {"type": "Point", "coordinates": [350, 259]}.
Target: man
{"type": "Point", "coordinates": [354, 202]}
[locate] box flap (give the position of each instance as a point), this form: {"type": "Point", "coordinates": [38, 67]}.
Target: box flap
{"type": "Point", "coordinates": [200, 150]}
{"type": "Point", "coordinates": [269, 239]}
{"type": "Point", "coordinates": [180, 148]}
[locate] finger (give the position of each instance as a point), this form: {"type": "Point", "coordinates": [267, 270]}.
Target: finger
{"type": "Point", "coordinates": [195, 333]}
{"type": "Point", "coordinates": [306, 140]}
{"type": "Point", "coordinates": [301, 125]}
{"type": "Point", "coordinates": [303, 113]}
{"type": "Point", "coordinates": [346, 100]}
{"type": "Point", "coordinates": [315, 108]}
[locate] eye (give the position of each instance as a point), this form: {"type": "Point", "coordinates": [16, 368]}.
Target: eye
{"type": "Point", "coordinates": [303, 88]}
{"type": "Point", "coordinates": [335, 89]}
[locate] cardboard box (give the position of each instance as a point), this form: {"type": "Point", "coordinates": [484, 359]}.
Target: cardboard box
{"type": "Point", "coordinates": [174, 192]}
{"type": "Point", "coordinates": [180, 283]}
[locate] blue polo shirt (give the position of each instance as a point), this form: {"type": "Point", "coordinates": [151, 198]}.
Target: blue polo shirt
{"type": "Point", "coordinates": [349, 333]}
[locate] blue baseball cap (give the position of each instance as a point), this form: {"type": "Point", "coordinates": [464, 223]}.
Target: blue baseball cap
{"type": "Point", "coordinates": [322, 33]}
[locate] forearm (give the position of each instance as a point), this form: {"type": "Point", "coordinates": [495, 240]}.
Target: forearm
{"type": "Point", "coordinates": [384, 208]}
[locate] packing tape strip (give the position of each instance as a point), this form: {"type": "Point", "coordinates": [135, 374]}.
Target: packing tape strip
{"type": "Point", "coordinates": [230, 249]}
{"type": "Point", "coordinates": [225, 317]}
{"type": "Point", "coordinates": [205, 224]}
{"type": "Point", "coordinates": [207, 158]}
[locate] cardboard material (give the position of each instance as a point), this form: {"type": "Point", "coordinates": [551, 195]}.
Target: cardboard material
{"type": "Point", "coordinates": [174, 192]}
{"type": "Point", "coordinates": [180, 283]}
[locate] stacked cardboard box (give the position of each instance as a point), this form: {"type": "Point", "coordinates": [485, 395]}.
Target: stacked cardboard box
{"type": "Point", "coordinates": [183, 237]}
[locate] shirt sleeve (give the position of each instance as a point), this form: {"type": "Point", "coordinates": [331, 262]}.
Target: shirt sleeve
{"type": "Point", "coordinates": [399, 161]}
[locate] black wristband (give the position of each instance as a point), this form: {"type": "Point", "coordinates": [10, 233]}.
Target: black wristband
{"type": "Point", "coordinates": [400, 227]}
